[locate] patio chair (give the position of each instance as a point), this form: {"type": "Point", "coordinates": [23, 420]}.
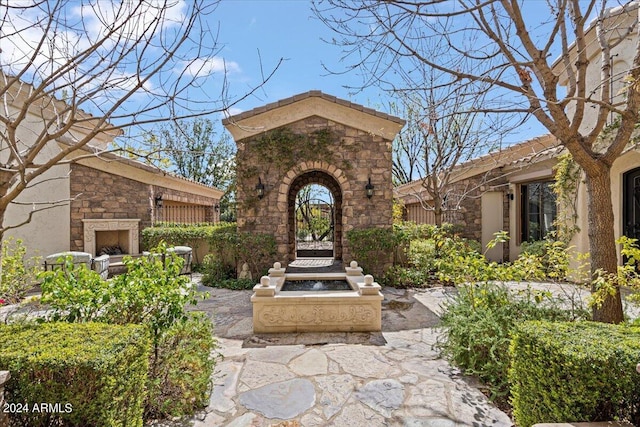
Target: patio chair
{"type": "Point", "coordinates": [99, 264]}
{"type": "Point", "coordinates": [184, 252]}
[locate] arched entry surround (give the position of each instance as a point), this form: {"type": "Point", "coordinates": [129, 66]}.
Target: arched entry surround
{"type": "Point", "coordinates": [322, 173]}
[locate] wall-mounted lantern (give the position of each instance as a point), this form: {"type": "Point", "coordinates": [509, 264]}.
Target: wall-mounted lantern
{"type": "Point", "coordinates": [369, 188]}
{"type": "Point", "coordinates": [260, 189]}
{"type": "Point", "coordinates": [509, 195]}
{"type": "Point", "coordinates": [216, 208]}
{"type": "Point", "coordinates": [158, 201]}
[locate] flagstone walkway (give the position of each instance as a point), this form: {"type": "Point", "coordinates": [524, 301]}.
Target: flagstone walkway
{"type": "Point", "coordinates": [393, 378]}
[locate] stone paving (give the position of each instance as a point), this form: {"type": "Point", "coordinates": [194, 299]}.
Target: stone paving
{"type": "Point", "coordinates": [393, 378]}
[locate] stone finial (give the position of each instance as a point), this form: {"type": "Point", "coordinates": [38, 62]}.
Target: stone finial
{"type": "Point", "coordinates": [265, 281]}
{"type": "Point", "coordinates": [368, 280]}
{"type": "Point", "coordinates": [353, 269]}
{"type": "Point", "coordinates": [277, 270]}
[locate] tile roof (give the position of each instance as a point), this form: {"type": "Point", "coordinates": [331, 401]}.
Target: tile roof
{"type": "Point", "coordinates": [305, 95]}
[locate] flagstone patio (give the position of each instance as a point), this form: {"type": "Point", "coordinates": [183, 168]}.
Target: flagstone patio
{"type": "Point", "coordinates": [392, 378]}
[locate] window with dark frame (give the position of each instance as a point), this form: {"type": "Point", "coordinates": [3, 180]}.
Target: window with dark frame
{"type": "Point", "coordinates": [538, 210]}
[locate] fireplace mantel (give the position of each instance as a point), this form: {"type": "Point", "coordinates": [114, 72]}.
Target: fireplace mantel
{"type": "Point", "coordinates": [91, 226]}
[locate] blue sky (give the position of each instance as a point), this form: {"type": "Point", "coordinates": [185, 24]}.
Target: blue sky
{"type": "Point", "coordinates": [288, 29]}
{"type": "Point", "coordinates": [252, 36]}
{"type": "Point", "coordinates": [283, 29]}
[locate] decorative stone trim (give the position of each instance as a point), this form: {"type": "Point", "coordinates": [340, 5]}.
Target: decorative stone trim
{"type": "Point", "coordinates": [359, 310]}
{"type": "Point", "coordinates": [93, 225]}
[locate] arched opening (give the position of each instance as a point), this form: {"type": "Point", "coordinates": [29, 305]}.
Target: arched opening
{"type": "Point", "coordinates": [315, 222]}
{"type": "Point", "coordinates": [315, 216]}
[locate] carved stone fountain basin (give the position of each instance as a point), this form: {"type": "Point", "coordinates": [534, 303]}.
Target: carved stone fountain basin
{"type": "Point", "coordinates": [317, 310]}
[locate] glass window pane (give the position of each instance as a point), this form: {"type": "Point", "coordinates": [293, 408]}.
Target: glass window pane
{"type": "Point", "coordinates": [539, 210]}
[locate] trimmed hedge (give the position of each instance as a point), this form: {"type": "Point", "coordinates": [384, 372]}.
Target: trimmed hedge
{"type": "Point", "coordinates": [183, 367]}
{"type": "Point", "coordinates": [575, 372]}
{"type": "Point", "coordinates": [192, 235]}
{"type": "Point", "coordinates": [86, 374]}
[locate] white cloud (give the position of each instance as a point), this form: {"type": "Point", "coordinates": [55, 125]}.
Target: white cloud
{"type": "Point", "coordinates": [232, 111]}
{"type": "Point", "coordinates": [136, 18]}
{"type": "Point", "coordinates": [202, 67]}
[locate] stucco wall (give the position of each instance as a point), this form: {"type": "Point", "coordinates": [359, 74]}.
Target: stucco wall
{"type": "Point", "coordinates": [48, 231]}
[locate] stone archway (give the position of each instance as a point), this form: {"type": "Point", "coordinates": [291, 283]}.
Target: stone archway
{"type": "Point", "coordinates": [313, 138]}
{"type": "Point", "coordinates": [326, 180]}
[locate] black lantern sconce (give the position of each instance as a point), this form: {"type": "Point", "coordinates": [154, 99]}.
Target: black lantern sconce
{"type": "Point", "coordinates": [158, 201]}
{"type": "Point", "coordinates": [369, 188]}
{"type": "Point", "coordinates": [260, 189]}
{"type": "Point", "coordinates": [216, 208]}
{"type": "Point", "coordinates": [509, 195]}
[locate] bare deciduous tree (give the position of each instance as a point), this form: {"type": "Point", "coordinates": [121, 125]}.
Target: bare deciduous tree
{"type": "Point", "coordinates": [444, 130]}
{"type": "Point", "coordinates": [512, 48]}
{"type": "Point", "coordinates": [74, 74]}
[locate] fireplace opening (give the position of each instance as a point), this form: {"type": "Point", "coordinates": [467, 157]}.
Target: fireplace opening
{"type": "Point", "coordinates": [112, 242]}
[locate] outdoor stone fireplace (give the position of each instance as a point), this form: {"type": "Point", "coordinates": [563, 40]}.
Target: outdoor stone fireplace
{"type": "Point", "coordinates": [111, 236]}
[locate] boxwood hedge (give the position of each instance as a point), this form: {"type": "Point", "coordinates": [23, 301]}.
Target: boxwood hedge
{"type": "Point", "coordinates": [575, 372]}
{"type": "Point", "coordinates": [67, 374]}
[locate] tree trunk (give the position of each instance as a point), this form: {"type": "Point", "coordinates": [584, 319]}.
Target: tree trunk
{"type": "Point", "coordinates": [602, 245]}
{"type": "Point", "coordinates": [437, 211]}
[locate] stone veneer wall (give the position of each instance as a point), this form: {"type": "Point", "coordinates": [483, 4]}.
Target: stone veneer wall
{"type": "Point", "coordinates": [100, 195]}
{"type": "Point", "coordinates": [469, 216]}
{"type": "Point", "coordinates": [353, 156]}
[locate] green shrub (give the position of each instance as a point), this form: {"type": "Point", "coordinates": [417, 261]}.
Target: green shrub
{"type": "Point", "coordinates": [180, 234]}
{"type": "Point", "coordinates": [406, 277]}
{"type": "Point", "coordinates": [214, 270]}
{"type": "Point", "coordinates": [553, 256]}
{"type": "Point", "coordinates": [151, 292]}
{"type": "Point", "coordinates": [174, 234]}
{"type": "Point", "coordinates": [181, 375]}
{"type": "Point", "coordinates": [217, 274]}
{"type": "Point", "coordinates": [478, 325]}
{"type": "Point", "coordinates": [75, 293]}
{"type": "Point", "coordinates": [93, 371]}
{"type": "Point", "coordinates": [371, 247]}
{"type": "Point", "coordinates": [427, 254]}
{"type": "Point", "coordinates": [571, 372]}
{"type": "Point", "coordinates": [17, 274]}
{"type": "Point", "coordinates": [234, 248]}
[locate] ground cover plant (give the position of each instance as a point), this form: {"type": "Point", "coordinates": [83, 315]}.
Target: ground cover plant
{"type": "Point", "coordinates": [151, 293]}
